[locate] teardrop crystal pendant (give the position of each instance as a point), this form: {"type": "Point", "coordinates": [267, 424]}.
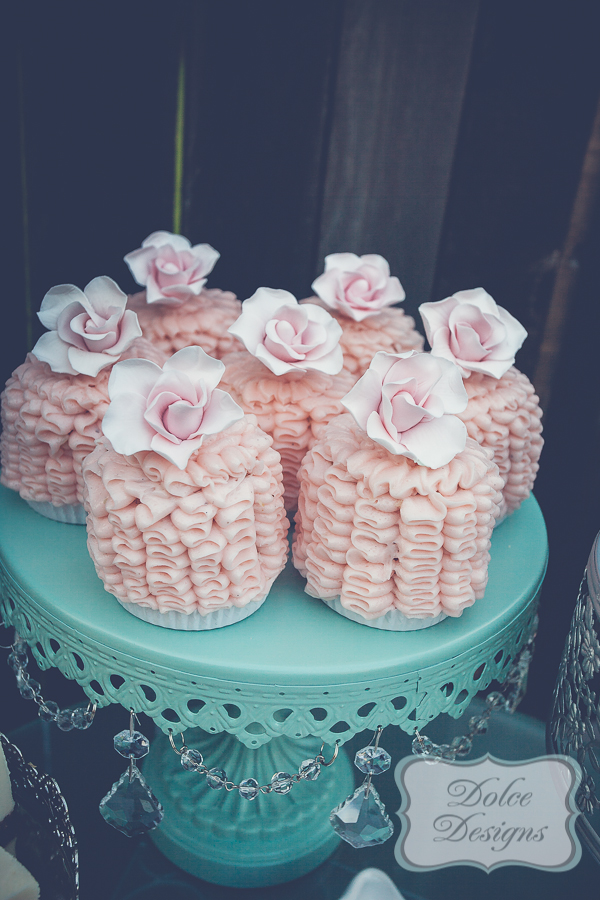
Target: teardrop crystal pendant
{"type": "Point", "coordinates": [361, 820]}
{"type": "Point", "coordinates": [130, 806]}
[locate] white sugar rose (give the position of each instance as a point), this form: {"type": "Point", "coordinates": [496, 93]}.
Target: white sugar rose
{"type": "Point", "coordinates": [471, 330]}
{"type": "Point", "coordinates": [171, 270]}
{"type": "Point", "coordinates": [357, 286]}
{"type": "Point", "coordinates": [287, 337]}
{"type": "Point", "coordinates": [406, 402]}
{"type": "Point", "coordinates": [167, 410]}
{"type": "Point", "coordinates": [89, 329]}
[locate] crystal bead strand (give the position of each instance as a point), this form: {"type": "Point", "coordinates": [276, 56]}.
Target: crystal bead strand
{"type": "Point", "coordinates": [49, 711]}
{"type": "Point", "coordinates": [508, 699]}
{"type": "Point", "coordinates": [249, 788]}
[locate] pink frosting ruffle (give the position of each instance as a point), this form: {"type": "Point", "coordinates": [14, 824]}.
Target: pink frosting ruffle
{"type": "Point", "coordinates": [292, 408]}
{"type": "Point", "coordinates": [200, 321]}
{"type": "Point", "coordinates": [504, 415]}
{"type": "Point", "coordinates": [390, 330]}
{"type": "Point", "coordinates": [209, 537]}
{"type": "Point", "coordinates": [50, 421]}
{"type": "Point", "coordinates": [382, 533]}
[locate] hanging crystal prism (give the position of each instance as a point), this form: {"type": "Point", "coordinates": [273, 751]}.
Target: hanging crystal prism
{"type": "Point", "coordinates": [361, 820]}
{"type": "Point", "coordinates": [130, 806]}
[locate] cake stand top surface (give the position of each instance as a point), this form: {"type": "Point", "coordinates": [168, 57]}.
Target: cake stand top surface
{"type": "Point", "coordinates": [291, 639]}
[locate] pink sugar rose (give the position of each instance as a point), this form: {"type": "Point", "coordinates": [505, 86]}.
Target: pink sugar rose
{"type": "Point", "coordinates": [170, 268]}
{"type": "Point", "coordinates": [406, 401]}
{"type": "Point", "coordinates": [167, 410]}
{"type": "Point", "coordinates": [357, 286]}
{"type": "Point", "coordinates": [89, 329]}
{"type": "Point", "coordinates": [287, 337]}
{"type": "Point", "coordinates": [471, 330]}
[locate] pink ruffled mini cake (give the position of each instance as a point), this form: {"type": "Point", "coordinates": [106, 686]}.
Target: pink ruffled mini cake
{"type": "Point", "coordinates": [503, 412]}
{"type": "Point", "coordinates": [186, 523]}
{"type": "Point", "coordinates": [176, 310]}
{"type": "Point", "coordinates": [53, 404]}
{"type": "Point", "coordinates": [397, 505]}
{"type": "Point", "coordinates": [358, 291]}
{"type": "Point", "coordinates": [290, 377]}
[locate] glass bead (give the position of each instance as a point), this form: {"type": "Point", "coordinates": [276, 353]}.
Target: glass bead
{"type": "Point", "coordinates": [129, 743]}
{"type": "Point", "coordinates": [14, 662]}
{"type": "Point", "coordinates": [191, 759]}
{"type": "Point", "coordinates": [362, 820]}
{"type": "Point", "coordinates": [81, 718]}
{"type": "Point", "coordinates": [27, 689]}
{"type": "Point", "coordinates": [462, 745]}
{"type": "Point", "coordinates": [447, 752]}
{"type": "Point", "coordinates": [373, 760]}
{"type": "Point", "coordinates": [282, 782]}
{"type": "Point", "coordinates": [216, 778]}
{"type": "Point", "coordinates": [495, 700]}
{"type": "Point", "coordinates": [478, 724]}
{"type": "Point", "coordinates": [64, 720]}
{"type": "Point", "coordinates": [422, 746]}
{"type": "Point", "coordinates": [248, 788]}
{"type": "Point", "coordinates": [49, 711]}
{"type": "Point", "coordinates": [310, 769]}
{"type": "Point", "coordinates": [130, 806]}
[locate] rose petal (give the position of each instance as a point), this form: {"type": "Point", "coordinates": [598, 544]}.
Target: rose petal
{"type": "Point", "coordinates": [183, 420]}
{"type": "Point", "coordinates": [276, 365]}
{"type": "Point", "coordinates": [160, 238]}
{"type": "Point", "coordinates": [57, 299]}
{"type": "Point", "coordinates": [88, 363]}
{"type": "Point", "coordinates": [221, 412]}
{"type": "Point", "coordinates": [178, 454]}
{"type": "Point", "coordinates": [133, 376]}
{"type": "Point", "coordinates": [140, 263]}
{"type": "Point", "coordinates": [197, 365]}
{"type": "Point", "coordinates": [377, 261]}
{"type": "Point", "coordinates": [435, 442]}
{"type": "Point", "coordinates": [364, 398]}
{"type": "Point", "coordinates": [129, 331]}
{"type": "Point", "coordinates": [123, 422]}
{"type": "Point", "coordinates": [206, 256]}
{"type": "Point", "coordinates": [331, 363]}
{"type": "Point", "coordinates": [379, 433]}
{"type": "Point", "coordinates": [105, 295]}
{"type": "Point", "coordinates": [50, 349]}
{"type": "Point", "coordinates": [480, 298]}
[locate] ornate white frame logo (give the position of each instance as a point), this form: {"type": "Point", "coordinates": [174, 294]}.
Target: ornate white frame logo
{"type": "Point", "coordinates": [488, 813]}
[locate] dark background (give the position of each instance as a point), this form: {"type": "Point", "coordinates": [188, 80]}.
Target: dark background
{"type": "Point", "coordinates": [449, 137]}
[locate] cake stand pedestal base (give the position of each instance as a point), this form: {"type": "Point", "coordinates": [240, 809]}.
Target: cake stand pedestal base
{"type": "Point", "coordinates": [218, 836]}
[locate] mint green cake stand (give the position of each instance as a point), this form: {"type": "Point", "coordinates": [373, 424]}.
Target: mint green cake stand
{"type": "Point", "coordinates": [261, 695]}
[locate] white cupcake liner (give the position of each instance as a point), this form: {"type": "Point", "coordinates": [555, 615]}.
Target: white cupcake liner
{"type": "Point", "coordinates": [393, 620]}
{"type": "Point", "coordinates": [194, 621]}
{"type": "Point", "coordinates": [70, 514]}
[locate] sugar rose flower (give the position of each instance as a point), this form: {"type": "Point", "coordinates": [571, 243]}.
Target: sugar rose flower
{"type": "Point", "coordinates": [286, 336]}
{"type": "Point", "coordinates": [406, 402]}
{"type": "Point", "coordinates": [357, 286]}
{"type": "Point", "coordinates": [167, 410]}
{"type": "Point", "coordinates": [471, 330]}
{"type": "Point", "coordinates": [89, 328]}
{"type": "Point", "coordinates": [169, 267]}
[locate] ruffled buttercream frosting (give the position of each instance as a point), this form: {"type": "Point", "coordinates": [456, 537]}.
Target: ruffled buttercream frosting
{"type": "Point", "coordinates": [50, 421]}
{"type": "Point", "coordinates": [381, 532]}
{"type": "Point", "coordinates": [209, 537]}
{"type": "Point", "coordinates": [198, 321]}
{"type": "Point", "coordinates": [504, 415]}
{"type": "Point", "coordinates": [292, 408]}
{"type": "Point", "coordinates": [390, 330]}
